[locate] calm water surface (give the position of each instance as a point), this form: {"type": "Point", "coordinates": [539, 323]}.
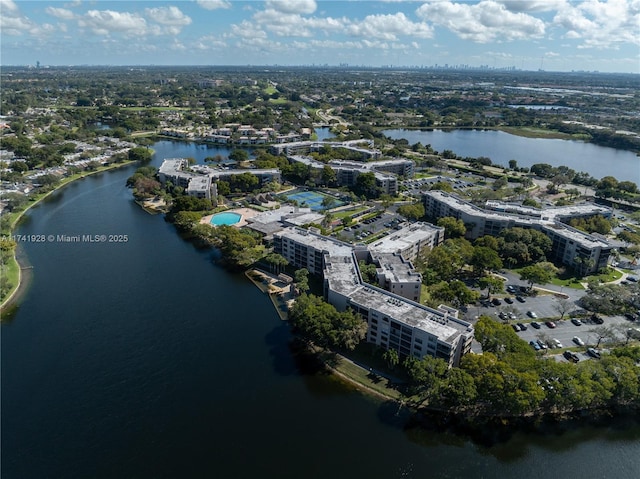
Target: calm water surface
{"type": "Point", "coordinates": [143, 359]}
{"type": "Point", "coordinates": [598, 161]}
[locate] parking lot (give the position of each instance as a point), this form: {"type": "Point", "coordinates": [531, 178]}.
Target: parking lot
{"type": "Point", "coordinates": [368, 228]}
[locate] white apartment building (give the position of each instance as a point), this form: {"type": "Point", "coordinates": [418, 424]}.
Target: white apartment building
{"type": "Point", "coordinates": [394, 321]}
{"type": "Point", "coordinates": [584, 252]}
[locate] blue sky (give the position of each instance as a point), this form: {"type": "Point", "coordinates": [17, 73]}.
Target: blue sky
{"type": "Point", "coordinates": [557, 35]}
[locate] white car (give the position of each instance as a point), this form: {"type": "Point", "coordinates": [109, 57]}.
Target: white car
{"type": "Point", "coordinates": [556, 343]}
{"type": "Point", "coordinates": [578, 341]}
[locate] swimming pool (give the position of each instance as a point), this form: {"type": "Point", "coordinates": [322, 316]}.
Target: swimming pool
{"type": "Point", "coordinates": [226, 218]}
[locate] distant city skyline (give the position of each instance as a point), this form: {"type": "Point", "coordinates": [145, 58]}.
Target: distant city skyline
{"type": "Point", "coordinates": [552, 35]}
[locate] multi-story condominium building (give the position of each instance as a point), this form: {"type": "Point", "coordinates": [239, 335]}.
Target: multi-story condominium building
{"type": "Point", "coordinates": [394, 320]}
{"type": "Point", "coordinates": [347, 172]}
{"type": "Point", "coordinates": [304, 147]}
{"type": "Point", "coordinates": [584, 252]}
{"type": "Point", "coordinates": [201, 180]}
{"type": "Point", "coordinates": [397, 275]}
{"type": "Point", "coordinates": [410, 240]}
{"type": "Point", "coordinates": [197, 185]}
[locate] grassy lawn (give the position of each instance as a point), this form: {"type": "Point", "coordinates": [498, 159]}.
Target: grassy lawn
{"type": "Point", "coordinates": [369, 355]}
{"type": "Point", "coordinates": [529, 132]}
{"type": "Point", "coordinates": [571, 281]}
{"type": "Point", "coordinates": [345, 213]}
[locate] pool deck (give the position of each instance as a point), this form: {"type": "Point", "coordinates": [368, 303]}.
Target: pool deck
{"type": "Point", "coordinates": [244, 213]}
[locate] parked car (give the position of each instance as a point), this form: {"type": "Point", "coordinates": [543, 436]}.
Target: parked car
{"type": "Point", "coordinates": [515, 327]}
{"type": "Point", "coordinates": [578, 341]}
{"type": "Point", "coordinates": [541, 344]}
{"type": "Point", "coordinates": [522, 326]}
{"type": "Point", "coordinates": [508, 300]}
{"type": "Point", "coordinates": [597, 319]}
{"type": "Point", "coordinates": [550, 324]}
{"type": "Point", "coordinates": [531, 314]}
{"type": "Point", "coordinates": [571, 356]}
{"type": "Point", "coordinates": [593, 353]}
{"type": "Point", "coordinates": [520, 298]}
{"type": "Point", "coordinates": [534, 345]}
{"type": "Point", "coordinates": [496, 302]}
{"type": "Point", "coordinates": [556, 343]}
{"type": "Point", "coordinates": [535, 324]}
{"type": "Point", "coordinates": [576, 321]}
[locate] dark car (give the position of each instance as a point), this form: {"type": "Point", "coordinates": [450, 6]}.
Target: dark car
{"type": "Point", "coordinates": [570, 356]}
{"type": "Point", "coordinates": [508, 300]}
{"type": "Point", "coordinates": [593, 353]}
{"type": "Point", "coordinates": [522, 326]}
{"type": "Point", "coordinates": [496, 302]}
{"type": "Point", "coordinates": [520, 298]}
{"type": "Point", "coordinates": [515, 327]}
{"type": "Point", "coordinates": [535, 324]}
{"type": "Point", "coordinates": [597, 319]}
{"type": "Point", "coordinates": [541, 343]}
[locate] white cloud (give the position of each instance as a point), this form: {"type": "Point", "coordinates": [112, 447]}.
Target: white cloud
{"type": "Point", "coordinates": [105, 22]}
{"type": "Point", "coordinates": [532, 5]}
{"type": "Point", "coordinates": [210, 42]}
{"type": "Point", "coordinates": [601, 23]}
{"type": "Point", "coordinates": [247, 29]}
{"type": "Point", "coordinates": [168, 16]}
{"type": "Point", "coordinates": [61, 13]}
{"type": "Point", "coordinates": [294, 25]}
{"type": "Point", "coordinates": [8, 7]}
{"type": "Point", "coordinates": [214, 4]}
{"type": "Point", "coordinates": [389, 27]}
{"type": "Point", "coordinates": [14, 23]}
{"type": "Point", "coordinates": [303, 7]}
{"type": "Point", "coordinates": [482, 22]}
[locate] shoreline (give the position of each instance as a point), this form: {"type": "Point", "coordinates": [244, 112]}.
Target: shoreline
{"type": "Point", "coordinates": [463, 422]}
{"type": "Point", "coordinates": [16, 293]}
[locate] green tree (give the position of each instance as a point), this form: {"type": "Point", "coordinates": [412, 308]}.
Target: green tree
{"type": "Point", "coordinates": [301, 278]}
{"type": "Point", "coordinates": [391, 357]}
{"type": "Point", "coordinates": [140, 154]}
{"type": "Point", "coordinates": [239, 155]}
{"type": "Point", "coordinates": [540, 273]}
{"type": "Point", "coordinates": [366, 186]}
{"type": "Point", "coordinates": [276, 262]}
{"type": "Point", "coordinates": [453, 228]}
{"type": "Point", "coordinates": [484, 259]}
{"type": "Point", "coordinates": [414, 211]}
{"type": "Point", "coordinates": [492, 284]}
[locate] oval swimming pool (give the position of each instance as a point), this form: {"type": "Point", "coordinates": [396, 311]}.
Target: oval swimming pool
{"type": "Point", "coordinates": [226, 218]}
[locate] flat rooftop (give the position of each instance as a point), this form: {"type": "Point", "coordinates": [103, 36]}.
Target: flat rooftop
{"type": "Point", "coordinates": [445, 327]}
{"type": "Point", "coordinates": [404, 238]}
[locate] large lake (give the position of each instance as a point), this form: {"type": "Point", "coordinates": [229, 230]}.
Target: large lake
{"type": "Point", "coordinates": [598, 161]}
{"type": "Point", "coordinates": [145, 360]}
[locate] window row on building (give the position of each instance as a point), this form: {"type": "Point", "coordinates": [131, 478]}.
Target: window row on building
{"type": "Point", "coordinates": [585, 253]}
{"type": "Point", "coordinates": [394, 316]}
